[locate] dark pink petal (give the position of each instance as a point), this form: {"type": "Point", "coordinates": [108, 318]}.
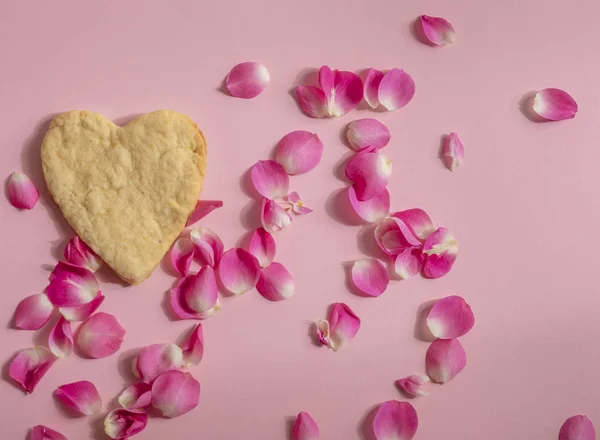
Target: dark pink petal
{"type": "Point", "coordinates": [80, 254]}
{"type": "Point", "coordinates": [327, 81]}
{"type": "Point", "coordinates": [418, 221]}
{"type": "Point", "coordinates": [437, 30]}
{"type": "Point", "coordinates": [41, 432]}
{"type": "Point", "coordinates": [247, 80]}
{"type": "Point", "coordinates": [347, 94]}
{"type": "Point", "coordinates": [450, 318]}
{"type": "Point", "coordinates": [71, 285]}
{"type": "Point", "coordinates": [175, 393]}
{"type": "Point", "coordinates": [297, 204]}
{"type": "Point", "coordinates": [440, 250]}
{"type": "Point", "coordinates": [262, 246]}
{"type": "Point", "coordinates": [370, 276]}
{"type": "Point", "coordinates": [273, 217]}
{"type": "Point", "coordinates": [370, 173]}
{"type": "Point", "coordinates": [33, 312]}
{"type": "Point", "coordinates": [136, 396]}
{"type": "Point", "coordinates": [22, 193]}
{"type": "Point", "coordinates": [413, 384]}
{"type": "Point", "coordinates": [371, 87]}
{"type": "Point", "coordinates": [408, 262]}
{"type": "Point", "coordinates": [395, 421]}
{"type": "Point", "coordinates": [445, 358]}
{"type": "Point", "coordinates": [193, 347]}
{"type": "Point", "coordinates": [312, 101]}
{"type": "Point", "coordinates": [396, 89]}
{"type": "Point", "coordinates": [340, 329]}
{"type": "Point", "coordinates": [60, 340]}
{"type": "Point", "coordinates": [270, 179]}
{"type": "Point", "coordinates": [100, 335]}
{"type": "Point", "coordinates": [81, 397]}
{"type": "Point", "coordinates": [578, 427]}
{"type": "Point", "coordinates": [29, 366]}
{"type": "Point", "coordinates": [208, 246]}
{"type": "Point", "coordinates": [299, 152]}
{"type": "Point", "coordinates": [202, 209]}
{"type": "Point", "coordinates": [192, 287]}
{"type": "Point", "coordinates": [275, 282]}
{"type": "Point", "coordinates": [239, 271]}
{"type": "Point", "coordinates": [200, 291]}
{"type": "Point", "coordinates": [393, 236]}
{"type": "Point", "coordinates": [454, 152]}
{"type": "Point", "coordinates": [182, 255]}
{"type": "Point", "coordinates": [123, 423]}
{"type": "Point", "coordinates": [305, 428]}
{"type": "Point", "coordinates": [373, 209]}
{"type": "Point", "coordinates": [83, 312]}
{"type": "Point", "coordinates": [155, 359]}
{"type": "Point", "coordinates": [554, 104]}
{"type": "Point", "coordinates": [367, 132]}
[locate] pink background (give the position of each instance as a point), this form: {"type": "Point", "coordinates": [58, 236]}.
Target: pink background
{"type": "Point", "coordinates": [524, 207]}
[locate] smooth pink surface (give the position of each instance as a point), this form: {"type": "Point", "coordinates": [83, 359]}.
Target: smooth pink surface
{"type": "Point", "coordinates": [536, 297]}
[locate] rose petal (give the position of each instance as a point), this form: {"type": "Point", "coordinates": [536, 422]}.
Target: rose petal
{"type": "Point", "coordinates": [123, 423]}
{"type": "Point", "coordinates": [262, 246]}
{"type": "Point", "coordinates": [41, 432]}
{"type": "Point", "coordinates": [554, 104]}
{"type": "Point", "coordinates": [60, 340]}
{"type": "Point", "coordinates": [441, 250]}
{"type": "Point", "coordinates": [373, 209]}
{"type": "Point", "coordinates": [82, 397]}
{"type": "Point", "coordinates": [100, 335]}
{"type": "Point", "coordinates": [207, 245]}
{"type": "Point", "coordinates": [371, 87]}
{"type": "Point", "coordinates": [239, 271]}
{"type": "Point", "coordinates": [370, 276]}
{"type": "Point", "coordinates": [445, 358]}
{"type": "Point", "coordinates": [327, 81]}
{"type": "Point", "coordinates": [155, 359]}
{"type": "Point", "coordinates": [396, 89]}
{"type": "Point", "coordinates": [418, 221]}
{"type": "Point", "coordinates": [323, 331]}
{"type": "Point", "coordinates": [395, 421]}
{"type": "Point", "coordinates": [450, 317]}
{"type": "Point", "coordinates": [348, 93]}
{"type": "Point", "coordinates": [408, 263]}
{"type": "Point", "coordinates": [247, 80]}
{"type": "Point", "coordinates": [578, 427]}
{"type": "Point", "coordinates": [275, 282]}
{"type": "Point", "coordinates": [367, 132]}
{"type": "Point", "coordinates": [175, 393]}
{"type": "Point", "coordinates": [413, 384]}
{"type": "Point", "coordinates": [297, 204]}
{"type": "Point", "coordinates": [393, 236]}
{"type": "Point", "coordinates": [270, 179]}
{"type": "Point", "coordinates": [22, 193]}
{"type": "Point", "coordinates": [437, 30]}
{"type": "Point", "coordinates": [340, 329]}
{"type": "Point", "coordinates": [33, 312]}
{"type": "Point", "coordinates": [80, 254]}
{"type": "Point", "coordinates": [200, 290]}
{"type": "Point", "coordinates": [370, 173]}
{"type": "Point", "coordinates": [454, 152]}
{"type": "Point", "coordinates": [193, 347]}
{"type": "Point", "coordinates": [312, 101]}
{"type": "Point", "coordinates": [299, 152]}
{"type": "Point", "coordinates": [202, 209]}
{"type": "Point", "coordinates": [182, 255]}
{"type": "Point", "coordinates": [136, 396]}
{"type": "Point", "coordinates": [29, 366]}
{"type": "Point", "coordinates": [305, 428]}
{"type": "Point", "coordinates": [83, 312]}
{"type": "Point", "coordinates": [71, 285]}
{"type": "Point", "coordinates": [273, 217]}
{"type": "Point", "coordinates": [180, 307]}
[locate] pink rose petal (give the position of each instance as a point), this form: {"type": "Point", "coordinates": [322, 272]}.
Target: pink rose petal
{"type": "Point", "coordinates": [270, 179]}
{"type": "Point", "coordinates": [396, 89]}
{"type": "Point", "coordinates": [190, 286]}
{"type": "Point", "coordinates": [346, 94]}
{"type": "Point", "coordinates": [371, 87]}
{"type": "Point", "coordinates": [200, 290]}
{"type": "Point", "coordinates": [82, 397]}
{"type": "Point", "coordinates": [297, 204]}
{"type": "Point", "coordinates": [554, 105]}
{"type": "Point", "coordinates": [123, 423]}
{"type": "Point", "coordinates": [208, 246]}
{"type": "Point", "coordinates": [373, 209]}
{"type": "Point", "coordinates": [33, 312]}
{"type": "Point", "coordinates": [393, 236]}
{"type": "Point", "coordinates": [83, 312]}
{"type": "Point", "coordinates": [247, 80]}
{"type": "Point", "coordinates": [22, 193]}
{"type": "Point", "coordinates": [193, 347]}
{"type": "Point", "coordinates": [155, 359]}
{"type": "Point", "coordinates": [408, 263]}
{"type": "Point", "coordinates": [41, 432]}
{"type": "Point", "coordinates": [239, 271]}
{"type": "Point", "coordinates": [136, 396]}
{"type": "Point", "coordinates": [441, 250]}
{"type": "Point", "coordinates": [175, 393]}
{"type": "Point", "coordinates": [413, 384]}
{"type": "Point", "coordinates": [367, 132]}
{"type": "Point", "coordinates": [437, 30]}
{"type": "Point", "coordinates": [312, 101]}
{"type": "Point", "coordinates": [340, 329]}
{"type": "Point", "coordinates": [299, 152]}
{"type": "Point", "coordinates": [327, 81]}
{"type": "Point", "coordinates": [370, 173]}
{"type": "Point", "coordinates": [60, 340]}
{"type": "Point", "coordinates": [182, 255]}
{"type": "Point", "coordinates": [305, 428]}
{"type": "Point", "coordinates": [273, 217]}
{"type": "Point", "coordinates": [450, 317]}
{"type": "Point", "coordinates": [202, 209]}
{"type": "Point", "coordinates": [395, 421]}
{"type": "Point", "coordinates": [80, 254]}
{"type": "Point", "coordinates": [445, 358]}
{"type": "Point", "coordinates": [100, 335]}
{"type": "Point", "coordinates": [370, 276]}
{"type": "Point", "coordinates": [454, 152]}
{"type": "Point", "coordinates": [71, 285]}
{"type": "Point", "coordinates": [262, 246]}
{"type": "Point", "coordinates": [29, 366]}
{"type": "Point", "coordinates": [275, 282]}
{"type": "Point", "coordinates": [578, 427]}
{"type": "Point", "coordinates": [418, 221]}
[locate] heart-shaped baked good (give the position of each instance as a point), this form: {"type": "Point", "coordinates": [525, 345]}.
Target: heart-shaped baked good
{"type": "Point", "coordinates": [127, 191]}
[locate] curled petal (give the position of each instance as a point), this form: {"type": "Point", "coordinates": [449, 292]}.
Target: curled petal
{"type": "Point", "coordinates": [370, 173]}
{"type": "Point", "coordinates": [343, 326]}
{"type": "Point", "coordinates": [180, 307]}
{"type": "Point", "coordinates": [275, 282]}
{"type": "Point", "coordinates": [100, 335]}
{"type": "Point", "coordinates": [136, 396]}
{"type": "Point", "coordinates": [273, 217]}
{"type": "Point", "coordinates": [454, 152]}
{"type": "Point", "coordinates": [323, 331]}
{"type": "Point", "coordinates": [408, 262]}
{"type": "Point", "coordinates": [347, 93]}
{"type": "Point", "coordinates": [262, 246]}
{"type": "Point", "coordinates": [41, 432]}
{"type": "Point", "coordinates": [305, 428]}
{"type": "Point", "coordinates": [373, 209]}
{"type": "Point", "coordinates": [418, 221]}
{"type": "Point", "coordinates": [60, 340]}
{"type": "Point", "coordinates": [193, 347]}
{"type": "Point", "coordinates": [367, 132]}
{"type": "Point", "coordinates": [395, 421]}
{"type": "Point", "coordinates": [22, 193]}
{"type": "Point", "coordinates": [71, 285]}
{"type": "Point", "coordinates": [312, 101]}
{"type": "Point", "coordinates": [83, 312]}
{"type": "Point", "coordinates": [299, 151]}
{"type": "Point", "coordinates": [371, 87]}
{"type": "Point", "coordinates": [270, 179]}
{"type": "Point", "coordinates": [29, 366]}
{"type": "Point", "coordinates": [247, 80]}
{"type": "Point", "coordinates": [445, 358]}
{"type": "Point", "coordinates": [182, 255]}
{"type": "Point", "coordinates": [202, 209]}
{"type": "Point", "coordinates": [370, 276]}
{"type": "Point", "coordinates": [200, 290]}
{"type": "Point", "coordinates": [578, 427]}
{"type": "Point", "coordinates": [393, 236]}
{"type": "Point", "coordinates": [450, 317]}
{"type": "Point", "coordinates": [413, 384]}
{"type": "Point", "coordinates": [441, 250]}
{"type": "Point", "coordinates": [396, 89]}
{"type": "Point", "coordinates": [437, 30]}
{"type": "Point", "coordinates": [33, 312]}
{"type": "Point", "coordinates": [123, 423]}
{"type": "Point", "coordinates": [82, 397]}
{"type": "Point", "coordinates": [239, 271]}
{"type": "Point", "coordinates": [80, 254]}
{"type": "Point", "coordinates": [554, 105]}
{"type": "Point", "coordinates": [297, 204]}
{"type": "Point", "coordinates": [155, 359]}
{"type": "Point", "coordinates": [175, 393]}
{"type": "Point", "coordinates": [208, 247]}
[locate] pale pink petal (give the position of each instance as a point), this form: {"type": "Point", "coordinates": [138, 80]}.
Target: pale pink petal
{"type": "Point", "coordinates": [370, 276]}
{"type": "Point", "coordinates": [136, 396]}
{"type": "Point", "coordinates": [80, 254]}
{"type": "Point", "coordinates": [200, 290]}
{"type": "Point", "coordinates": [454, 152]}
{"type": "Point", "coordinates": [179, 306]}
{"type": "Point", "coordinates": [193, 347]}
{"type": "Point", "coordinates": [71, 285]}
{"type": "Point", "coordinates": [182, 255]}
{"type": "Point", "coordinates": [299, 152]}
{"type": "Point", "coordinates": [367, 132]}
{"type": "Point", "coordinates": [262, 246]}
{"type": "Point", "coordinates": [408, 262]}
{"type": "Point", "coordinates": [208, 246]}
{"type": "Point", "coordinates": [82, 397]}
{"type": "Point", "coordinates": [578, 427]}
{"type": "Point", "coordinates": [297, 204]}
{"type": "Point", "coordinates": [437, 30]}
{"type": "Point", "coordinates": [554, 104]}
{"type": "Point", "coordinates": [396, 89]}
{"type": "Point", "coordinates": [247, 80]}
{"type": "Point", "coordinates": [440, 250]}
{"type": "Point", "coordinates": [305, 428]}
{"type": "Point", "coordinates": [275, 282]}
{"type": "Point", "coordinates": [343, 326]}
{"type": "Point", "coordinates": [413, 384]}
{"type": "Point", "coordinates": [395, 421]}
{"type": "Point", "coordinates": [100, 335]}
{"type": "Point", "coordinates": [312, 101]}
{"type": "Point", "coordinates": [418, 221]}
{"type": "Point", "coordinates": [202, 209]}
{"type": "Point", "coordinates": [327, 81]}
{"type": "Point", "coordinates": [273, 217]}
{"type": "Point", "coordinates": [83, 312]}
{"type": "Point", "coordinates": [22, 193]}
{"type": "Point", "coordinates": [33, 312]}
{"type": "Point", "coordinates": [41, 432]}
{"type": "Point", "coordinates": [270, 179]}
{"type": "Point", "coordinates": [393, 236]}
{"type": "Point", "coordinates": [445, 358]}
{"type": "Point", "coordinates": [29, 366]}
{"type": "Point", "coordinates": [175, 393]}
{"type": "Point", "coordinates": [347, 94]}
{"type": "Point", "coordinates": [371, 87]}
{"type": "Point", "coordinates": [239, 271]}
{"type": "Point", "coordinates": [370, 173]}
{"type": "Point", "coordinates": [450, 317]}
{"type": "Point", "coordinates": [60, 340]}
{"type": "Point", "coordinates": [123, 423]}
{"type": "Point", "coordinates": [373, 209]}
{"type": "Point", "coordinates": [155, 359]}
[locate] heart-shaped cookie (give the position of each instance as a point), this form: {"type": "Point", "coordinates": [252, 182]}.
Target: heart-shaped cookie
{"type": "Point", "coordinates": [127, 191]}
